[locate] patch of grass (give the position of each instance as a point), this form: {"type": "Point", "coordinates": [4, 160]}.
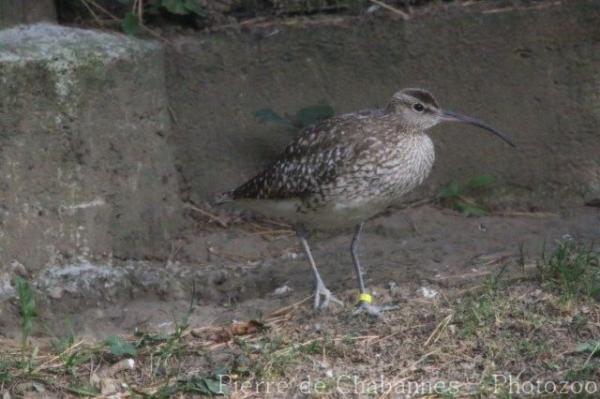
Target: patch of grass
{"type": "Point", "coordinates": [5, 374]}
{"type": "Point", "coordinates": [274, 356]}
{"type": "Point", "coordinates": [119, 348]}
{"type": "Point", "coordinates": [171, 349]}
{"type": "Point", "coordinates": [495, 328]}
{"type": "Point", "coordinates": [26, 308]}
{"type": "Point", "coordinates": [572, 269]}
{"type": "Point", "coordinates": [71, 359]}
{"type": "Point", "coordinates": [84, 390]}
{"type": "Point", "coordinates": [530, 347]}
{"type": "Point", "coordinates": [277, 355]}
{"type": "Point", "coordinates": [477, 311]}
{"type": "Point", "coordinates": [466, 198]}
{"type": "Point", "coordinates": [320, 346]}
{"type": "Point", "coordinates": [195, 385]}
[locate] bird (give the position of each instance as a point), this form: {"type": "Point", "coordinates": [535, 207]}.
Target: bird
{"type": "Point", "coordinates": [342, 171]}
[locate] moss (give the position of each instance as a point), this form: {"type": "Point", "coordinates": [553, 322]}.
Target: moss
{"type": "Point", "coordinates": [68, 54]}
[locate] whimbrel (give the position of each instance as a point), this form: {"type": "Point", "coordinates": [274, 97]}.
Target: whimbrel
{"type": "Point", "coordinates": [347, 169]}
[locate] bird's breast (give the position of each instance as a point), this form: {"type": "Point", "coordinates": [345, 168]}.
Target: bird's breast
{"type": "Point", "coordinates": [412, 164]}
{"type": "Point", "coordinates": [373, 185]}
{"type": "Point", "coordinates": [396, 169]}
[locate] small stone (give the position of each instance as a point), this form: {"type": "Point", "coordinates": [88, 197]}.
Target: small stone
{"type": "Point", "coordinates": [428, 292]}
{"type": "Point", "coordinates": [56, 292]}
{"type": "Point", "coordinates": [452, 329]}
{"type": "Point", "coordinates": [282, 291]}
{"type": "Point", "coordinates": [18, 268]}
{"type": "Point", "coordinates": [394, 288]}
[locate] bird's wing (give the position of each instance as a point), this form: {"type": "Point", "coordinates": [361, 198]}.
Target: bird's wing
{"type": "Point", "coordinates": [310, 161]}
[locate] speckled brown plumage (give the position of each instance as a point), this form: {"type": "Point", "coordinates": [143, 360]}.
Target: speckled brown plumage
{"type": "Point", "coordinates": [347, 169]}
{"type": "Point", "coordinates": [343, 170]}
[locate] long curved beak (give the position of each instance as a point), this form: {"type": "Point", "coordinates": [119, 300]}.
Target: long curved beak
{"type": "Point", "coordinates": [449, 116]}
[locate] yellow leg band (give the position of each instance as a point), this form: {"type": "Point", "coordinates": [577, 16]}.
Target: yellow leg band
{"type": "Point", "coordinates": [366, 298]}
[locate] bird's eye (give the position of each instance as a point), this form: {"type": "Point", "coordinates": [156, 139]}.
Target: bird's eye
{"type": "Point", "coordinates": [419, 107]}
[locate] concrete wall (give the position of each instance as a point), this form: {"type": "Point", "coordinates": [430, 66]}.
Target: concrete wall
{"type": "Point", "coordinates": [86, 140]}
{"type": "Point", "coordinates": [85, 169]}
{"type": "Point", "coordinates": [534, 73]}
{"type": "Point", "coordinates": [14, 12]}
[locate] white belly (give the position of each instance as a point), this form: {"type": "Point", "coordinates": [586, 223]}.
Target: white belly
{"type": "Point", "coordinates": [327, 217]}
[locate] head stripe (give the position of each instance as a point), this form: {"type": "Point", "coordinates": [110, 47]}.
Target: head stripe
{"type": "Point", "coordinates": [422, 96]}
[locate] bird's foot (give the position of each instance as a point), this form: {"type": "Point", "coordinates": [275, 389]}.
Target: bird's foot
{"type": "Point", "coordinates": [323, 293]}
{"type": "Point", "coordinates": [364, 306]}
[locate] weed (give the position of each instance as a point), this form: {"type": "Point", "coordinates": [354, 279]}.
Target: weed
{"type": "Point", "coordinates": [529, 348]}
{"type": "Point", "coordinates": [319, 346]}
{"type": "Point", "coordinates": [466, 198]}
{"type": "Point", "coordinates": [171, 348]}
{"type": "Point", "coordinates": [210, 386]}
{"type": "Point", "coordinates": [572, 270]}
{"type": "Point", "coordinates": [583, 373]}
{"type": "Point", "coordinates": [71, 359]}
{"type": "Point", "coordinates": [5, 374]}
{"type": "Point", "coordinates": [496, 329]}
{"type": "Point", "coordinates": [118, 347]}
{"type": "Point", "coordinates": [26, 307]}
{"type": "Point", "coordinates": [475, 312]}
{"type": "Point", "coordinates": [84, 390]}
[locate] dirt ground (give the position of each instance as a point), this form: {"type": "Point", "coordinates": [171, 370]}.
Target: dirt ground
{"type": "Point", "coordinates": [473, 315]}
{"type": "Point", "coordinates": [409, 249]}
{"type": "Point", "coordinates": [433, 262]}
{"type": "Point", "coordinates": [236, 270]}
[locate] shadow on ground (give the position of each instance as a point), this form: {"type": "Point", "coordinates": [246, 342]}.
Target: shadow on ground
{"type": "Point", "coordinates": [233, 273]}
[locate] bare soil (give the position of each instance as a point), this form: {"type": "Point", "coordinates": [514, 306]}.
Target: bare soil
{"type": "Point", "coordinates": [451, 326]}
{"type": "Point", "coordinates": [243, 264]}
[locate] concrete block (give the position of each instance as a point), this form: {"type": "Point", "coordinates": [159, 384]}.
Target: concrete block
{"type": "Point", "coordinates": [86, 171]}
{"type": "Point", "coordinates": [15, 12]}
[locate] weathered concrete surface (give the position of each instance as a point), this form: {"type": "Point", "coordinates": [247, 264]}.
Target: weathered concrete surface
{"type": "Point", "coordinates": [14, 12]}
{"type": "Point", "coordinates": [532, 72]}
{"type": "Point", "coordinates": [86, 171]}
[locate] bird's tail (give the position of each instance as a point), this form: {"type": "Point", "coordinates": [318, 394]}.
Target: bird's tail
{"type": "Point", "coordinates": [221, 198]}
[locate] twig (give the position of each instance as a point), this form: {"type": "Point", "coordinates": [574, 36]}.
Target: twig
{"type": "Point", "coordinates": [141, 12]}
{"type": "Point", "coordinates": [207, 214]}
{"type": "Point", "coordinates": [173, 116]}
{"type": "Point", "coordinates": [388, 7]}
{"type": "Point", "coordinates": [437, 332]}
{"type": "Point", "coordinates": [535, 7]}
{"type": "Point", "coordinates": [94, 15]}
{"type": "Point", "coordinates": [412, 204]}
{"type": "Point", "coordinates": [592, 353]}
{"type": "Point", "coordinates": [69, 349]}
{"type": "Point", "coordinates": [401, 331]}
{"type": "Point", "coordinates": [288, 308]}
{"type": "Point", "coordinates": [539, 215]}
{"type": "Point", "coordinates": [262, 23]}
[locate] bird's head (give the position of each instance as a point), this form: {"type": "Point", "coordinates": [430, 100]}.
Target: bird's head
{"type": "Point", "coordinates": [419, 111]}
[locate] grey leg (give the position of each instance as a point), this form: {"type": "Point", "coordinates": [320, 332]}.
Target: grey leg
{"type": "Point", "coordinates": [355, 260]}
{"type": "Point", "coordinates": [363, 306]}
{"type": "Point", "coordinates": [321, 290]}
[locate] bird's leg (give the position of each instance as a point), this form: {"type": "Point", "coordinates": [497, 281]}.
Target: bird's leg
{"type": "Point", "coordinates": [355, 260]}
{"type": "Point", "coordinates": [364, 299]}
{"type": "Point", "coordinates": [321, 290]}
